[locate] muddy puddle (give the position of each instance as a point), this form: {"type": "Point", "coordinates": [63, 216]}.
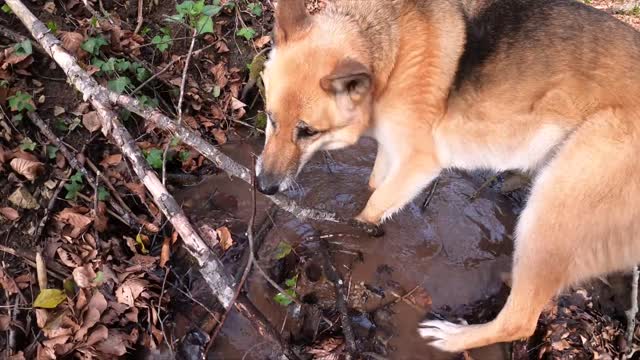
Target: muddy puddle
{"type": "Point", "coordinates": [455, 252]}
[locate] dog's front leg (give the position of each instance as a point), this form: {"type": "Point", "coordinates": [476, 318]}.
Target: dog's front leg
{"type": "Point", "coordinates": [380, 168]}
{"type": "Point", "coordinates": [406, 179]}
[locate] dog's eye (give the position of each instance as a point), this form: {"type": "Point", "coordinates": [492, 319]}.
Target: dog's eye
{"type": "Point", "coordinates": [306, 132]}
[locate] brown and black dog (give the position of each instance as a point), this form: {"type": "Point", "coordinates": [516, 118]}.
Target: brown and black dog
{"type": "Point", "coordinates": [547, 86]}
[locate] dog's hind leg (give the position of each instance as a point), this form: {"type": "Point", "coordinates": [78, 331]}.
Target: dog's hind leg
{"type": "Point", "coordinates": [581, 220]}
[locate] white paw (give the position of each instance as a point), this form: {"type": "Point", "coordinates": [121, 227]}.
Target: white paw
{"type": "Point", "coordinates": [441, 334]}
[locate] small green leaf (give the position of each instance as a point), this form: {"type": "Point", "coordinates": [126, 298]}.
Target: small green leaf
{"type": "Point", "coordinates": [6, 9]}
{"type": "Point", "coordinates": [119, 85]}
{"type": "Point", "coordinates": [184, 156]}
{"type": "Point", "coordinates": [285, 299]}
{"type": "Point", "coordinates": [255, 8]}
{"type": "Point", "coordinates": [142, 74]}
{"type": "Point", "coordinates": [175, 141]}
{"type": "Point", "coordinates": [212, 10]}
{"type": "Point", "coordinates": [291, 283]}
{"type": "Point", "coordinates": [204, 24]}
{"type": "Point", "coordinates": [27, 144]}
{"type": "Point", "coordinates": [123, 65]}
{"type": "Point", "coordinates": [76, 178]}
{"type": "Point", "coordinates": [52, 150]}
{"type": "Point", "coordinates": [162, 43]}
{"type": "Point", "coordinates": [154, 158]}
{"type": "Point", "coordinates": [261, 120]}
{"type": "Point", "coordinates": [103, 194]}
{"type": "Point", "coordinates": [216, 91]}
{"type": "Point", "coordinates": [247, 33]}
{"type": "Point", "coordinates": [61, 125]}
{"type": "Point", "coordinates": [69, 287]}
{"type": "Point", "coordinates": [52, 26]}
{"type": "Point", "coordinates": [147, 101]}
{"type": "Point", "coordinates": [73, 190]}
{"type": "Point", "coordinates": [184, 8]}
{"type": "Point", "coordinates": [49, 298]}
{"type": "Point", "coordinates": [93, 44]}
{"type": "Point", "coordinates": [108, 66]}
{"type": "Point", "coordinates": [23, 48]}
{"type": "Point", "coordinates": [99, 278]}
{"type": "Point", "coordinates": [139, 241]}
{"type": "Point", "coordinates": [283, 249]}
{"type": "Point", "coordinates": [21, 101]}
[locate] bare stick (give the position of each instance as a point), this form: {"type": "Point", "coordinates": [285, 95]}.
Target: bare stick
{"type": "Point", "coordinates": [217, 157]}
{"type": "Point", "coordinates": [341, 299]}
{"type": "Point", "coordinates": [41, 271]}
{"type": "Point", "coordinates": [140, 17]}
{"type": "Point", "coordinates": [210, 266]}
{"type": "Point", "coordinates": [47, 211]}
{"type": "Point", "coordinates": [633, 311]}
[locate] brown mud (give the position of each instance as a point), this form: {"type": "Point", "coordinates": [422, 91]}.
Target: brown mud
{"type": "Point", "coordinates": [457, 249]}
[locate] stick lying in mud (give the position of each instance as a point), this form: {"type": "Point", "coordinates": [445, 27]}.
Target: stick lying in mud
{"type": "Point", "coordinates": [341, 298]}
{"type": "Point", "coordinates": [210, 266]}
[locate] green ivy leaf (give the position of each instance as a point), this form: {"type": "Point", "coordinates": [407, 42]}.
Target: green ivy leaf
{"type": "Point", "coordinates": [6, 9]}
{"type": "Point", "coordinates": [52, 26]}
{"type": "Point", "coordinates": [291, 283]}
{"type": "Point", "coordinates": [247, 33]}
{"type": "Point", "coordinates": [261, 120]}
{"type": "Point", "coordinates": [212, 10]}
{"type": "Point", "coordinates": [162, 43]}
{"type": "Point", "coordinates": [52, 150]}
{"type": "Point", "coordinates": [93, 44]}
{"type": "Point", "coordinates": [27, 144]}
{"type": "Point", "coordinates": [285, 299]}
{"type": "Point", "coordinates": [109, 65]}
{"type": "Point", "coordinates": [154, 158]}
{"type": "Point", "coordinates": [123, 65]}
{"type": "Point", "coordinates": [103, 194]}
{"type": "Point", "coordinates": [204, 24]}
{"type": "Point", "coordinates": [142, 74]}
{"type": "Point", "coordinates": [184, 8]}
{"type": "Point", "coordinates": [49, 298]}
{"type": "Point", "coordinates": [23, 48]}
{"type": "Point", "coordinates": [184, 156]}
{"type": "Point", "coordinates": [255, 8]}
{"type": "Point", "coordinates": [283, 249]}
{"type": "Point", "coordinates": [77, 177]}
{"type": "Point", "coordinates": [21, 101]}
{"type": "Point", "coordinates": [119, 85]}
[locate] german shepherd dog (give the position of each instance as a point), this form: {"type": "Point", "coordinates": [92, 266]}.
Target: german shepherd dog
{"type": "Point", "coordinates": [546, 86]}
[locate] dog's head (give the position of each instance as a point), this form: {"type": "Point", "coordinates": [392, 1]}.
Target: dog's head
{"type": "Point", "coordinates": [318, 89]}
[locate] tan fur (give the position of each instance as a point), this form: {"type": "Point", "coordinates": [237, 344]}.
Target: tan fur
{"type": "Point", "coordinates": [557, 95]}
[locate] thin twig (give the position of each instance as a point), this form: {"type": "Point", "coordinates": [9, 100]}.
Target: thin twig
{"type": "Point", "coordinates": [47, 211]}
{"type": "Point", "coordinates": [140, 17]}
{"type": "Point", "coordinates": [633, 311]}
{"type": "Point", "coordinates": [341, 300]}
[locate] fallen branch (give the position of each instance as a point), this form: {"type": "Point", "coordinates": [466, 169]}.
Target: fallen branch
{"type": "Point", "coordinates": [341, 297]}
{"type": "Point", "coordinates": [210, 266]}
{"type": "Point", "coordinates": [214, 155]}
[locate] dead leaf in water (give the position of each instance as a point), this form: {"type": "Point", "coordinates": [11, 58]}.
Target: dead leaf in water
{"type": "Point", "coordinates": [225, 238]}
{"type": "Point", "coordinates": [27, 168]}
{"type": "Point", "coordinates": [9, 213]}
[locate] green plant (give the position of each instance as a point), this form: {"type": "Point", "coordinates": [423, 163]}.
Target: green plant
{"type": "Point", "coordinates": [247, 33]}
{"type": "Point", "coordinates": [255, 8]}
{"type": "Point", "coordinates": [103, 194]}
{"type": "Point", "coordinates": [283, 249]}
{"type": "Point", "coordinates": [93, 44]}
{"type": "Point", "coordinates": [21, 101]}
{"type": "Point", "coordinates": [286, 298]}
{"type": "Point", "coordinates": [198, 15]}
{"type": "Point", "coordinates": [6, 9]}
{"type": "Point", "coordinates": [23, 48]}
{"type": "Point", "coordinates": [162, 42]}
{"type": "Point", "coordinates": [27, 144]}
{"type": "Point", "coordinates": [119, 85]}
{"type": "Point", "coordinates": [154, 158]}
{"type": "Point", "coordinates": [52, 150]}
{"type": "Point", "coordinates": [52, 26]}
{"type": "Point", "coordinates": [74, 186]}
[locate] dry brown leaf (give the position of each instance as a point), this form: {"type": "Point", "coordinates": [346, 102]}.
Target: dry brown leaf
{"type": "Point", "coordinates": [60, 340]}
{"type": "Point", "coordinates": [165, 253]}
{"type": "Point", "coordinates": [58, 110]}
{"type": "Point", "coordinates": [27, 168]}
{"type": "Point", "coordinates": [237, 104]}
{"type": "Point", "coordinates": [5, 321]}
{"type": "Point", "coordinates": [129, 291]}
{"type": "Point", "coordinates": [5, 155]}
{"type": "Point", "coordinates": [79, 223]}
{"type": "Point", "coordinates": [97, 305]}
{"type": "Point", "coordinates": [262, 41]}
{"type": "Point", "coordinates": [137, 189]}
{"type": "Point", "coordinates": [42, 316]}
{"type": "Point", "coordinates": [111, 160]}
{"type": "Point", "coordinates": [23, 199]}
{"type": "Point", "coordinates": [220, 136]}
{"type": "Point", "coordinates": [114, 344]}
{"type": "Point", "coordinates": [9, 213]}
{"type": "Point", "coordinates": [101, 221]}
{"type": "Point", "coordinates": [84, 276]}
{"type": "Point", "coordinates": [100, 333]}
{"type": "Point", "coordinates": [225, 237]}
{"type": "Point", "coordinates": [91, 121]}
{"type": "Point", "coordinates": [71, 41]}
{"type": "Point", "coordinates": [17, 356]}
{"type": "Point", "coordinates": [69, 259]}
{"type": "Point", "coordinates": [7, 283]}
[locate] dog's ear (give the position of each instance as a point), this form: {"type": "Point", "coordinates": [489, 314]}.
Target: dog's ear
{"type": "Point", "coordinates": [350, 80]}
{"type": "Point", "coordinates": [291, 17]}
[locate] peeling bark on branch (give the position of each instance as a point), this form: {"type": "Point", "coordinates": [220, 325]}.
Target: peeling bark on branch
{"type": "Point", "coordinates": [211, 267]}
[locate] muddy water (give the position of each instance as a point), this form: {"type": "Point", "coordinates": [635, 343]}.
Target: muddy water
{"type": "Point", "coordinates": [457, 249]}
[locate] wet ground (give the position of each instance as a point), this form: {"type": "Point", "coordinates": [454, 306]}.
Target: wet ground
{"type": "Point", "coordinates": [456, 250]}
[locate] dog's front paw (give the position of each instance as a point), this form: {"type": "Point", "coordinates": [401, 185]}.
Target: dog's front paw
{"type": "Point", "coordinates": [441, 334]}
{"type": "Point", "coordinates": [371, 229]}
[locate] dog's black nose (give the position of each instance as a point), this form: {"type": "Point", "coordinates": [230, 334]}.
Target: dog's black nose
{"type": "Point", "coordinates": [267, 184]}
